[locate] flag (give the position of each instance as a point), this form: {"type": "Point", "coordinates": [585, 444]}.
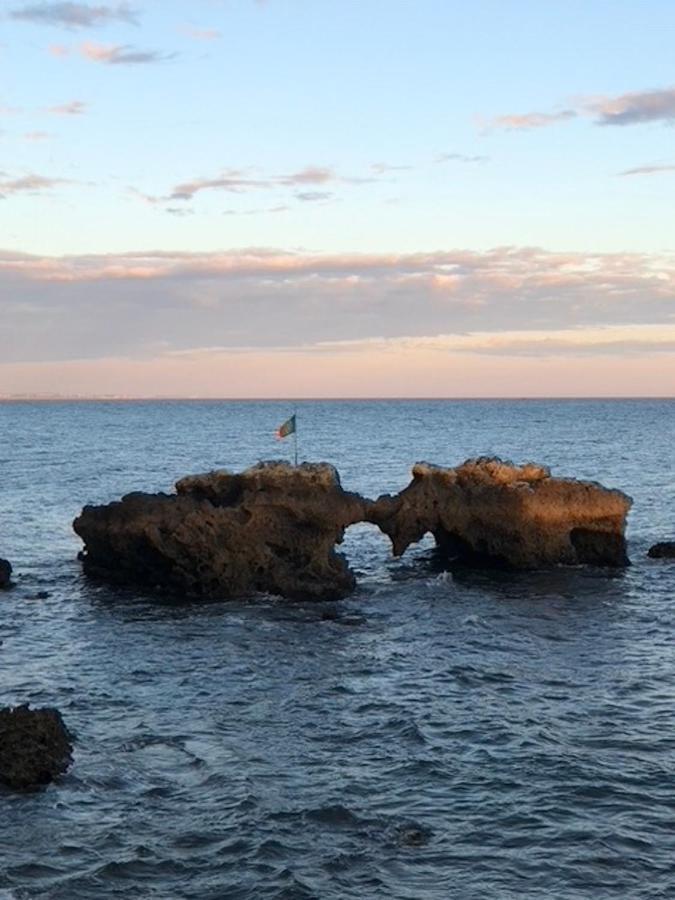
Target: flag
{"type": "Point", "coordinates": [287, 428]}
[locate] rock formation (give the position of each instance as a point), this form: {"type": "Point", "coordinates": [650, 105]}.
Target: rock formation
{"type": "Point", "coordinates": [34, 747]}
{"type": "Point", "coordinates": [489, 511]}
{"type": "Point", "coordinates": [5, 574]}
{"type": "Point", "coordinates": [272, 528]}
{"type": "Point", "coordinates": [662, 550]}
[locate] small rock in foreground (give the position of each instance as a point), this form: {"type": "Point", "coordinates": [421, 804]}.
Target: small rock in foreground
{"type": "Point", "coordinates": [662, 550]}
{"type": "Point", "coordinates": [5, 574]}
{"type": "Point", "coordinates": [35, 747]}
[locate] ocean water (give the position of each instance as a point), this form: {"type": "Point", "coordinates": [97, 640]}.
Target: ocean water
{"type": "Point", "coordinates": [468, 735]}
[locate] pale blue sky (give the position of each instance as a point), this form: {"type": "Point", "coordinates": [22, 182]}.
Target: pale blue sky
{"type": "Point", "coordinates": [322, 127]}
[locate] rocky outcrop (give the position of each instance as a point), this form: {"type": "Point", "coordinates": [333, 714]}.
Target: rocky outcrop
{"type": "Point", "coordinates": [489, 511]}
{"type": "Point", "coordinates": [662, 550]}
{"type": "Point", "coordinates": [272, 528]}
{"type": "Point", "coordinates": [35, 747]}
{"type": "Point", "coordinates": [5, 574]}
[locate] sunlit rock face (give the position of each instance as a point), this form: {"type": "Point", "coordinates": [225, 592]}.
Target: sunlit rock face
{"type": "Point", "coordinates": [35, 747]}
{"type": "Point", "coordinates": [272, 528]}
{"type": "Point", "coordinates": [491, 512]}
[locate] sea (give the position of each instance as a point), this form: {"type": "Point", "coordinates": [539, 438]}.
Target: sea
{"type": "Point", "coordinates": [439, 734]}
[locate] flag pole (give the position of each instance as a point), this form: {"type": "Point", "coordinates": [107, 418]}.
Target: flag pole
{"type": "Point", "coordinates": [295, 433]}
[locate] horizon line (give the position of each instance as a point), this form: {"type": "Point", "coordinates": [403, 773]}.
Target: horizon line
{"type": "Point", "coordinates": [113, 398]}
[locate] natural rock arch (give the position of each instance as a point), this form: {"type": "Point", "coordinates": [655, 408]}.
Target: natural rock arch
{"type": "Point", "coordinates": [275, 527]}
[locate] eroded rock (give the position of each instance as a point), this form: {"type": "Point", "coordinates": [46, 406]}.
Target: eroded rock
{"type": "Point", "coordinates": [662, 550]}
{"type": "Point", "coordinates": [35, 747]}
{"type": "Point", "coordinates": [490, 511]}
{"type": "Point", "coordinates": [272, 528]}
{"type": "Point", "coordinates": [5, 574]}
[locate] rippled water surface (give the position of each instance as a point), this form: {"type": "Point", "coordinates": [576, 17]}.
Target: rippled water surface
{"type": "Point", "coordinates": [475, 735]}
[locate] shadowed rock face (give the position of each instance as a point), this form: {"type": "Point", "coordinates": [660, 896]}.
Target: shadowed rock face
{"type": "Point", "coordinates": [662, 550]}
{"type": "Point", "coordinates": [5, 574]}
{"type": "Point", "coordinates": [34, 747]}
{"type": "Point", "coordinates": [489, 511]}
{"type": "Point", "coordinates": [272, 528]}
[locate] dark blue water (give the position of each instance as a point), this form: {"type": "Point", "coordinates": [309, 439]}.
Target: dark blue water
{"type": "Point", "coordinates": [477, 736]}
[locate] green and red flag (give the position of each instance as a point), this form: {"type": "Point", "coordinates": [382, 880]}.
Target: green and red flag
{"type": "Point", "coordinates": [287, 428]}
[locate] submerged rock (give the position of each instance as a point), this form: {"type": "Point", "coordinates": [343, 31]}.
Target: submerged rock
{"type": "Point", "coordinates": [5, 574]}
{"type": "Point", "coordinates": [487, 511]}
{"type": "Point", "coordinates": [412, 835]}
{"type": "Point", "coordinates": [662, 550]}
{"type": "Point", "coordinates": [272, 528]}
{"type": "Point", "coordinates": [34, 747]}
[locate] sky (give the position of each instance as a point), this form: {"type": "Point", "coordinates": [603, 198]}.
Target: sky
{"type": "Point", "coordinates": [313, 198]}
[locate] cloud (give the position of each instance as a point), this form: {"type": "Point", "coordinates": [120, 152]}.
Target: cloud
{"type": "Point", "coordinates": [617, 339]}
{"type": "Point", "coordinates": [382, 168]}
{"type": "Point", "coordinates": [37, 136]}
{"type": "Point", "coordinates": [308, 175]}
{"type": "Point", "coordinates": [73, 108]}
{"type": "Point", "coordinates": [239, 181]}
{"type": "Point", "coordinates": [508, 301]}
{"type": "Point", "coordinates": [74, 15]}
{"type": "Point", "coordinates": [648, 170]}
{"type": "Point", "coordinates": [233, 181]}
{"type": "Point", "coordinates": [634, 108]}
{"type": "Point", "coordinates": [122, 54]}
{"type": "Point", "coordinates": [200, 34]}
{"type": "Point", "coordinates": [527, 121]}
{"type": "Point", "coordinates": [459, 157]}
{"type": "Point", "coordinates": [256, 212]}
{"type": "Point", "coordinates": [314, 196]}
{"type": "Point", "coordinates": [33, 184]}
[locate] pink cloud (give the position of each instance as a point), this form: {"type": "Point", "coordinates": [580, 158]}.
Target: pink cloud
{"type": "Point", "coordinates": [527, 121]}
{"type": "Point", "coordinates": [348, 318]}
{"type": "Point", "coordinates": [73, 108]}
{"type": "Point", "coordinates": [308, 175]}
{"type": "Point", "coordinates": [27, 184]}
{"type": "Point", "coordinates": [502, 270]}
{"type": "Point", "coordinates": [121, 54]}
